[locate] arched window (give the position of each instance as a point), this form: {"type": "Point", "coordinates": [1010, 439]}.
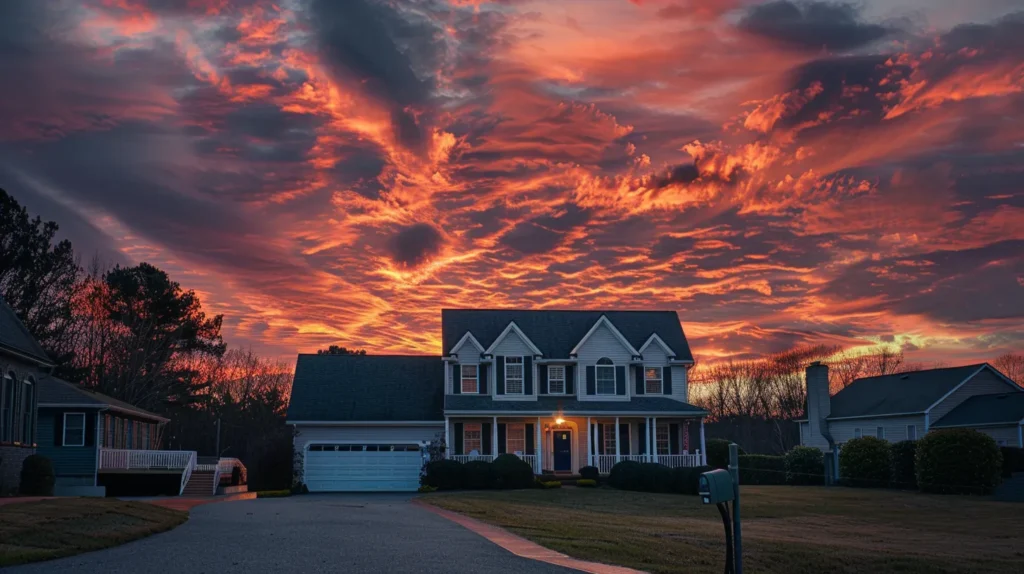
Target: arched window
{"type": "Point", "coordinates": [28, 394]}
{"type": "Point", "coordinates": [605, 376]}
{"type": "Point", "coordinates": [6, 407]}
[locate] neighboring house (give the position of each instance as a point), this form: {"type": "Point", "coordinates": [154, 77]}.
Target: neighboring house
{"type": "Point", "coordinates": [559, 389]}
{"type": "Point", "coordinates": [23, 364]}
{"type": "Point", "coordinates": [89, 437]}
{"type": "Point", "coordinates": [905, 406]}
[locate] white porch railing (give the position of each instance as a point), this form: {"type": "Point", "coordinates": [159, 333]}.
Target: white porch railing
{"type": "Point", "coordinates": [531, 459]}
{"type": "Point", "coordinates": [679, 460]}
{"type": "Point", "coordinates": [605, 462]}
{"type": "Point", "coordinates": [464, 458]}
{"type": "Point", "coordinates": [128, 459]}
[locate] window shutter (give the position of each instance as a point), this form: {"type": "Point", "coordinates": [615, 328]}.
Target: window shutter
{"type": "Point", "coordinates": [456, 379]}
{"type": "Point", "coordinates": [673, 439]}
{"type": "Point", "coordinates": [640, 382]}
{"type": "Point", "coordinates": [530, 438]}
{"type": "Point", "coordinates": [502, 443]}
{"type": "Point", "coordinates": [642, 438]}
{"type": "Point", "coordinates": [527, 375]}
{"type": "Point", "coordinates": [58, 428]}
{"type": "Point", "coordinates": [457, 445]}
{"type": "Point", "coordinates": [485, 440]}
{"type": "Point", "coordinates": [542, 379]}
{"type": "Point", "coordinates": [591, 380]}
{"type": "Point", "coordinates": [620, 380]}
{"type": "Point", "coordinates": [481, 374]}
{"type": "Point", "coordinates": [90, 429]}
{"type": "Point", "coordinates": [570, 379]}
{"type": "Point", "coordinates": [500, 375]}
{"type": "Point", "coordinates": [624, 438]}
{"type": "Point", "coordinates": [666, 380]}
{"type": "Point", "coordinates": [600, 435]}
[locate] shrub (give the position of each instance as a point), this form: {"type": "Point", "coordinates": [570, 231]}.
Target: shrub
{"type": "Point", "coordinates": [273, 493]}
{"type": "Point", "coordinates": [1013, 460]}
{"type": "Point", "coordinates": [510, 471]}
{"type": "Point", "coordinates": [479, 475]}
{"type": "Point", "coordinates": [655, 477]}
{"type": "Point", "coordinates": [681, 480]}
{"type": "Point", "coordinates": [586, 483]}
{"type": "Point", "coordinates": [958, 461]}
{"type": "Point", "coordinates": [762, 469]}
{"type": "Point", "coordinates": [902, 454]}
{"type": "Point", "coordinates": [444, 474]}
{"type": "Point", "coordinates": [299, 488]}
{"type": "Point", "coordinates": [805, 465]}
{"type": "Point", "coordinates": [688, 481]}
{"type": "Point", "coordinates": [547, 477]}
{"type": "Point", "coordinates": [864, 462]}
{"type": "Point", "coordinates": [426, 489]}
{"type": "Point", "coordinates": [625, 475]}
{"type": "Point", "coordinates": [590, 473]}
{"type": "Point", "coordinates": [551, 484]}
{"type": "Point", "coordinates": [37, 476]}
{"type": "Point", "coordinates": [718, 452]}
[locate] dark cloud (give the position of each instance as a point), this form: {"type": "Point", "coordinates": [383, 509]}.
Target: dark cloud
{"type": "Point", "coordinates": [813, 25]}
{"type": "Point", "coordinates": [530, 239]}
{"type": "Point", "coordinates": [415, 244]}
{"type": "Point", "coordinates": [684, 173]}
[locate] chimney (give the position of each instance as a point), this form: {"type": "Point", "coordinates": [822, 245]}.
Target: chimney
{"type": "Point", "coordinates": [819, 406]}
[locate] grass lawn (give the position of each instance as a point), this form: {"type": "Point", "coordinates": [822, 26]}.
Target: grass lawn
{"type": "Point", "coordinates": [46, 529]}
{"type": "Point", "coordinates": [786, 529]}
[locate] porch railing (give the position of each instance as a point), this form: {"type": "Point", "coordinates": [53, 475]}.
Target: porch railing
{"type": "Point", "coordinates": [605, 462]}
{"type": "Point", "coordinates": [187, 473]}
{"type": "Point", "coordinates": [128, 459]}
{"type": "Point", "coordinates": [464, 458]}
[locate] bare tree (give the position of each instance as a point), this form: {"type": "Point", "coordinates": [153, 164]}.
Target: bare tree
{"type": "Point", "coordinates": [1011, 365]}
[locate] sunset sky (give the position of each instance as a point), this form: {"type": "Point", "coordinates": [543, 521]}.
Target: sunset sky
{"type": "Point", "coordinates": [335, 172]}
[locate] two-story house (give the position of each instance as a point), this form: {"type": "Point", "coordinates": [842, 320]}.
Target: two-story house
{"type": "Point", "coordinates": [560, 389]}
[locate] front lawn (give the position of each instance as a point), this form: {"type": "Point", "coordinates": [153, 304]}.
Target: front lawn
{"type": "Point", "coordinates": [786, 529]}
{"type": "Point", "coordinates": [60, 527]}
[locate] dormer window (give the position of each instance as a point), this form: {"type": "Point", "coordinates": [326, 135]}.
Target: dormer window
{"type": "Point", "coordinates": [605, 376]}
{"type": "Point", "coordinates": [470, 382]}
{"type": "Point", "coordinates": [652, 381]}
{"type": "Point", "coordinates": [513, 375]}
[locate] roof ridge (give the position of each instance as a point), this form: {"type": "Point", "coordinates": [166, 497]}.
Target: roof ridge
{"type": "Point", "coordinates": [972, 365]}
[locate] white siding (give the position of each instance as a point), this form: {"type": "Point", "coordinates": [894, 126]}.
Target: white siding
{"type": "Point", "coordinates": [680, 384]}
{"type": "Point", "coordinates": [602, 343]}
{"type": "Point", "coordinates": [895, 428]}
{"type": "Point", "coordinates": [984, 383]}
{"type": "Point", "coordinates": [1005, 433]}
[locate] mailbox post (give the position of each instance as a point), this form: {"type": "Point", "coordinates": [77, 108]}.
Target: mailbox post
{"type": "Point", "coordinates": [720, 487]}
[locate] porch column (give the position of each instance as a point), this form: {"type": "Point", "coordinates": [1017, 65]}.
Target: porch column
{"type": "Point", "coordinates": [494, 439]}
{"type": "Point", "coordinates": [447, 442]}
{"type": "Point", "coordinates": [647, 436]}
{"type": "Point", "coordinates": [590, 444]}
{"type": "Point", "coordinates": [703, 447]}
{"type": "Point", "coordinates": [618, 457]}
{"type": "Point", "coordinates": [538, 448]}
{"type": "Point", "coordinates": [654, 423]}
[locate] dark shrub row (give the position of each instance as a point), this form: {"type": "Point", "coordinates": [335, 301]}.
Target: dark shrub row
{"type": "Point", "coordinates": [654, 477]}
{"type": "Point", "coordinates": [805, 465]}
{"type": "Point", "coordinates": [37, 477]}
{"type": "Point", "coordinates": [507, 471]}
{"type": "Point", "coordinates": [865, 462]}
{"type": "Point", "coordinates": [762, 469]}
{"type": "Point", "coordinates": [718, 452]}
{"type": "Point", "coordinates": [958, 461]}
{"type": "Point", "coordinates": [901, 456]}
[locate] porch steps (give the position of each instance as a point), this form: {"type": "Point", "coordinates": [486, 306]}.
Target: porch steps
{"type": "Point", "coordinates": [199, 484]}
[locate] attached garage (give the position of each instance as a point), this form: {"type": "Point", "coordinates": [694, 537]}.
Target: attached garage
{"type": "Point", "coordinates": [363, 467]}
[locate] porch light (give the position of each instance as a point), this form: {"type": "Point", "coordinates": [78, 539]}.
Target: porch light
{"type": "Point", "coordinates": [559, 421]}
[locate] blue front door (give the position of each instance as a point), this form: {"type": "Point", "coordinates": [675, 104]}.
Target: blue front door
{"type": "Point", "coordinates": [563, 450]}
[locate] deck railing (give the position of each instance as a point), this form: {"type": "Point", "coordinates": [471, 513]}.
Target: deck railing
{"type": "Point", "coordinates": [605, 462]}
{"type": "Point", "coordinates": [129, 459]}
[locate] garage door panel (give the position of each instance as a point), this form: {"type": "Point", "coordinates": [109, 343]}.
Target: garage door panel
{"type": "Point", "coordinates": [330, 470]}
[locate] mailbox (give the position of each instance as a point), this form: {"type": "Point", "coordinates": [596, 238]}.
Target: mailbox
{"type": "Point", "coordinates": [716, 486]}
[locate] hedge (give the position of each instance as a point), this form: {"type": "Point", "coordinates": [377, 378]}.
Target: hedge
{"type": "Point", "coordinates": [444, 474]}
{"type": "Point", "coordinates": [762, 469]}
{"type": "Point", "coordinates": [958, 461]}
{"type": "Point", "coordinates": [718, 452]}
{"type": "Point", "coordinates": [901, 455]}
{"type": "Point", "coordinates": [590, 473]}
{"type": "Point", "coordinates": [655, 477]}
{"type": "Point", "coordinates": [805, 465]}
{"type": "Point", "coordinates": [479, 475]}
{"type": "Point", "coordinates": [865, 462]}
{"type": "Point", "coordinates": [1013, 460]}
{"type": "Point", "coordinates": [37, 477]}
{"type": "Point", "coordinates": [510, 471]}
{"type": "Point", "coordinates": [273, 493]}
{"type": "Point", "coordinates": [586, 483]}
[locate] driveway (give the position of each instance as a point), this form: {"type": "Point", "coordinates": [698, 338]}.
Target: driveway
{"type": "Point", "coordinates": [310, 533]}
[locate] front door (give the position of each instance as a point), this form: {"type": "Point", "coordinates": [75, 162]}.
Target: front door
{"type": "Point", "coordinates": [563, 450]}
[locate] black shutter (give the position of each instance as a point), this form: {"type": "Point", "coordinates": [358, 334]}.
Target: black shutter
{"type": "Point", "coordinates": [642, 437]}
{"type": "Point", "coordinates": [624, 438]}
{"type": "Point", "coordinates": [456, 379]}
{"type": "Point", "coordinates": [483, 378]}
{"type": "Point", "coordinates": [591, 381]}
{"type": "Point", "coordinates": [673, 439]}
{"type": "Point", "coordinates": [620, 380]}
{"type": "Point", "coordinates": [58, 428]}
{"type": "Point", "coordinates": [600, 436]}
{"type": "Point", "coordinates": [542, 379]}
{"type": "Point", "coordinates": [530, 438]}
{"type": "Point", "coordinates": [666, 380]}
{"type": "Point", "coordinates": [502, 443]}
{"type": "Point", "coordinates": [640, 380]}
{"type": "Point", "coordinates": [90, 429]}
{"type": "Point", "coordinates": [527, 375]}
{"type": "Point", "coordinates": [485, 440]}
{"type": "Point", "coordinates": [500, 375]}
{"type": "Point", "coordinates": [570, 379]}
{"type": "Point", "coordinates": [456, 445]}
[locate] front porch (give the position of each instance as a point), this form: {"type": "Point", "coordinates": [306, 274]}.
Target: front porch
{"type": "Point", "coordinates": [564, 444]}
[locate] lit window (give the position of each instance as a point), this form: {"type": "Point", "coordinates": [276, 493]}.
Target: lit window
{"type": "Point", "coordinates": [513, 375]}
{"type": "Point", "coordinates": [469, 380]}
{"type": "Point", "coordinates": [74, 429]}
{"type": "Point", "coordinates": [880, 432]}
{"type": "Point", "coordinates": [662, 439]}
{"type": "Point", "coordinates": [857, 433]}
{"type": "Point", "coordinates": [911, 432]}
{"type": "Point", "coordinates": [605, 375]}
{"type": "Point", "coordinates": [471, 438]}
{"type": "Point", "coordinates": [556, 379]}
{"type": "Point", "coordinates": [515, 438]}
{"type": "Point", "coordinates": [609, 439]}
{"type": "Point", "coordinates": [652, 380]}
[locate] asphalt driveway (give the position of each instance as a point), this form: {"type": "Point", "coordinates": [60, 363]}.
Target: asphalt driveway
{"type": "Point", "coordinates": [311, 533]}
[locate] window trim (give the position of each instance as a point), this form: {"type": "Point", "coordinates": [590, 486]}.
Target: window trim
{"type": "Point", "coordinates": [597, 380]}
{"type": "Point", "coordinates": [563, 378]}
{"type": "Point", "coordinates": [467, 427]}
{"type": "Point", "coordinates": [7, 391]}
{"type": "Point", "coordinates": [880, 432]}
{"type": "Point", "coordinates": [516, 426]}
{"type": "Point", "coordinates": [668, 439]}
{"type": "Point", "coordinates": [463, 379]}
{"type": "Point", "coordinates": [909, 428]}
{"type": "Point", "coordinates": [64, 430]}
{"type": "Point", "coordinates": [660, 379]}
{"type": "Point", "coordinates": [609, 435]}
{"type": "Point", "coordinates": [857, 432]}
{"type": "Point", "coordinates": [28, 415]}
{"type": "Point", "coordinates": [522, 380]}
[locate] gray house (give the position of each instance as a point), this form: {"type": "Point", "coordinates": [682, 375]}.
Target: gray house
{"type": "Point", "coordinates": [905, 406]}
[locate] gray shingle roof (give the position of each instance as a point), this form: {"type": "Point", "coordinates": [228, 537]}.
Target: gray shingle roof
{"type": "Point", "coordinates": [367, 388]}
{"type": "Point", "coordinates": [982, 410]}
{"type": "Point", "coordinates": [568, 405]}
{"type": "Point", "coordinates": [55, 392]}
{"type": "Point", "coordinates": [14, 336]}
{"type": "Point", "coordinates": [556, 332]}
{"type": "Point", "coordinates": [911, 392]}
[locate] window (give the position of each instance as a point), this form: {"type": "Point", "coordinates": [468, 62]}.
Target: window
{"type": "Point", "coordinates": [1001, 442]}
{"type": "Point", "coordinates": [857, 433]}
{"type": "Point", "coordinates": [74, 429]}
{"type": "Point", "coordinates": [911, 432]}
{"type": "Point", "coordinates": [661, 436]}
{"type": "Point", "coordinates": [556, 379]}
{"type": "Point", "coordinates": [515, 438]}
{"type": "Point", "coordinates": [27, 412]}
{"type": "Point", "coordinates": [880, 433]}
{"type": "Point", "coordinates": [609, 439]}
{"type": "Point", "coordinates": [7, 412]}
{"type": "Point", "coordinates": [605, 374]}
{"type": "Point", "coordinates": [469, 379]}
{"type": "Point", "coordinates": [513, 375]}
{"type": "Point", "coordinates": [471, 439]}
{"type": "Point", "coordinates": [652, 380]}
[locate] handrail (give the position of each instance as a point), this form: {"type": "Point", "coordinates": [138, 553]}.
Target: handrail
{"type": "Point", "coordinates": [128, 459]}
{"type": "Point", "coordinates": [216, 479]}
{"type": "Point", "coordinates": [187, 474]}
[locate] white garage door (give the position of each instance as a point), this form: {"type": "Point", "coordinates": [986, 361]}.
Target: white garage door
{"type": "Point", "coordinates": [363, 467]}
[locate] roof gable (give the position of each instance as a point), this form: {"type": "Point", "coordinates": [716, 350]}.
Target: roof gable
{"type": "Point", "coordinates": [468, 338]}
{"type": "Point", "coordinates": [899, 393]}
{"type": "Point", "coordinates": [513, 328]}
{"type": "Point", "coordinates": [982, 410]}
{"type": "Point", "coordinates": [15, 337]}
{"type": "Point", "coordinates": [604, 322]}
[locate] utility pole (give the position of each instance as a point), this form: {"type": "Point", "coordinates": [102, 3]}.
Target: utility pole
{"type": "Point", "coordinates": [737, 536]}
{"type": "Point", "coordinates": [217, 452]}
